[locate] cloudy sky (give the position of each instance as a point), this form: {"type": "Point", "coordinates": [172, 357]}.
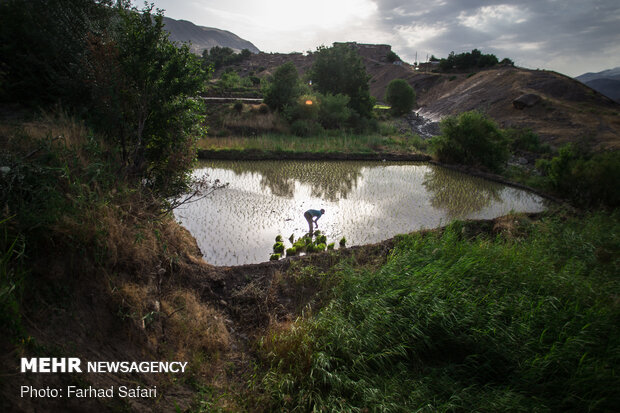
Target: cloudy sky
{"type": "Point", "coordinates": [568, 36]}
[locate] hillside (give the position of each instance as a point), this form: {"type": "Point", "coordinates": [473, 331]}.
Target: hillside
{"type": "Point", "coordinates": [202, 38]}
{"type": "Point", "coordinates": [607, 87]}
{"type": "Point", "coordinates": [568, 110]}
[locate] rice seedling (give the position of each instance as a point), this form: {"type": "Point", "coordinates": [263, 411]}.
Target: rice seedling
{"type": "Point", "coordinates": [278, 247]}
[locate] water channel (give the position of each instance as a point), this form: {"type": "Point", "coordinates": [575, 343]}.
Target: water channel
{"type": "Point", "coordinates": [364, 201]}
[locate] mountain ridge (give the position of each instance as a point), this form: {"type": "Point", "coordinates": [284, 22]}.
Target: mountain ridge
{"type": "Point", "coordinates": [606, 82]}
{"type": "Point", "coordinates": [204, 38]}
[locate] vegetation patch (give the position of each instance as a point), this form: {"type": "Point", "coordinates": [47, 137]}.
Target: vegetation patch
{"type": "Point", "coordinates": [457, 323]}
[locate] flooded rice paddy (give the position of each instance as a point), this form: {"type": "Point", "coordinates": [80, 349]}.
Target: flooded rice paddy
{"type": "Point", "coordinates": [365, 202]}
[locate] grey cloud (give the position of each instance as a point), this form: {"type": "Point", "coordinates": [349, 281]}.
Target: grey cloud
{"type": "Point", "coordinates": [544, 29]}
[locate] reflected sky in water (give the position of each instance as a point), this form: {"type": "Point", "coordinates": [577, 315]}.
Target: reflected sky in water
{"type": "Point", "coordinates": [364, 201]}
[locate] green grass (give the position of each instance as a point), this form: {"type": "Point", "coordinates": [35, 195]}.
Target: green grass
{"type": "Point", "coordinates": [334, 142]}
{"type": "Point", "coordinates": [453, 324]}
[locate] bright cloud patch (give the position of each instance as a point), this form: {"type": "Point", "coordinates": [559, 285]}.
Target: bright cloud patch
{"type": "Point", "coordinates": [285, 15]}
{"type": "Point", "coordinates": [419, 33]}
{"type": "Point", "coordinates": [489, 16]}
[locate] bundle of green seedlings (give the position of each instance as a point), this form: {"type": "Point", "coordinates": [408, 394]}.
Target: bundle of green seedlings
{"type": "Point", "coordinates": [305, 244]}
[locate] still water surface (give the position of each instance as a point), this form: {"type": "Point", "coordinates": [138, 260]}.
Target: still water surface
{"type": "Point", "coordinates": [364, 201]}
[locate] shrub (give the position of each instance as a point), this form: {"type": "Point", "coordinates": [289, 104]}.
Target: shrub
{"type": "Point", "coordinates": [284, 87]}
{"type": "Point", "coordinates": [278, 247]}
{"type": "Point", "coordinates": [587, 180]}
{"type": "Point", "coordinates": [471, 139]}
{"type": "Point", "coordinates": [263, 109]}
{"type": "Point", "coordinates": [525, 140]}
{"type": "Point", "coordinates": [305, 128]}
{"type": "Point", "coordinates": [238, 106]}
{"type": "Point", "coordinates": [400, 96]}
{"type": "Point", "coordinates": [230, 80]}
{"type": "Point", "coordinates": [333, 110]}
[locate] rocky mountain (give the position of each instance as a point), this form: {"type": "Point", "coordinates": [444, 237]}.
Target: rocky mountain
{"type": "Point", "coordinates": [202, 38]}
{"type": "Point", "coordinates": [606, 82]}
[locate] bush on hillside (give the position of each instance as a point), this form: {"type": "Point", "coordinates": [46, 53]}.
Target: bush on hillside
{"type": "Point", "coordinates": [586, 179]}
{"type": "Point", "coordinates": [305, 128]}
{"type": "Point", "coordinates": [471, 139]}
{"type": "Point", "coordinates": [525, 140]}
{"type": "Point", "coordinates": [333, 110]}
{"type": "Point", "coordinates": [284, 87]}
{"type": "Point", "coordinates": [218, 57]}
{"type": "Point", "coordinates": [400, 96]}
{"type": "Point", "coordinates": [467, 60]}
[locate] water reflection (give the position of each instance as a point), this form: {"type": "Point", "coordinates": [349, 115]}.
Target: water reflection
{"type": "Point", "coordinates": [364, 201]}
{"type": "Point", "coordinates": [328, 180]}
{"type": "Point", "coordinates": [458, 194]}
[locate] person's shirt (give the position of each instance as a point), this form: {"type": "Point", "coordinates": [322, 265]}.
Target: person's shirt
{"type": "Point", "coordinates": [314, 213]}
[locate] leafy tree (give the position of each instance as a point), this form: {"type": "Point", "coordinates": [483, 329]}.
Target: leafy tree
{"type": "Point", "coordinates": [339, 69]}
{"type": "Point", "coordinates": [333, 110]}
{"type": "Point", "coordinates": [284, 88]}
{"type": "Point", "coordinates": [218, 56]}
{"type": "Point", "coordinates": [400, 96]}
{"type": "Point", "coordinates": [42, 44]}
{"type": "Point", "coordinates": [142, 87]}
{"type": "Point", "coordinates": [468, 60]}
{"type": "Point", "coordinates": [471, 139]}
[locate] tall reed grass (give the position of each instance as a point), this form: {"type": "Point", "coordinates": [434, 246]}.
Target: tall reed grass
{"type": "Point", "coordinates": [454, 324]}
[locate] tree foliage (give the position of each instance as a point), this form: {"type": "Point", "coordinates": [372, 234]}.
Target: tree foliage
{"type": "Point", "coordinates": [467, 60]}
{"type": "Point", "coordinates": [339, 69]}
{"type": "Point", "coordinates": [586, 179]}
{"type": "Point", "coordinates": [284, 87]}
{"type": "Point", "coordinates": [142, 87]}
{"type": "Point", "coordinates": [42, 48]}
{"type": "Point", "coordinates": [218, 57]}
{"type": "Point", "coordinates": [114, 66]}
{"type": "Point", "coordinates": [400, 96]}
{"type": "Point", "coordinates": [471, 139]}
{"type": "Point", "coordinates": [333, 110]}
